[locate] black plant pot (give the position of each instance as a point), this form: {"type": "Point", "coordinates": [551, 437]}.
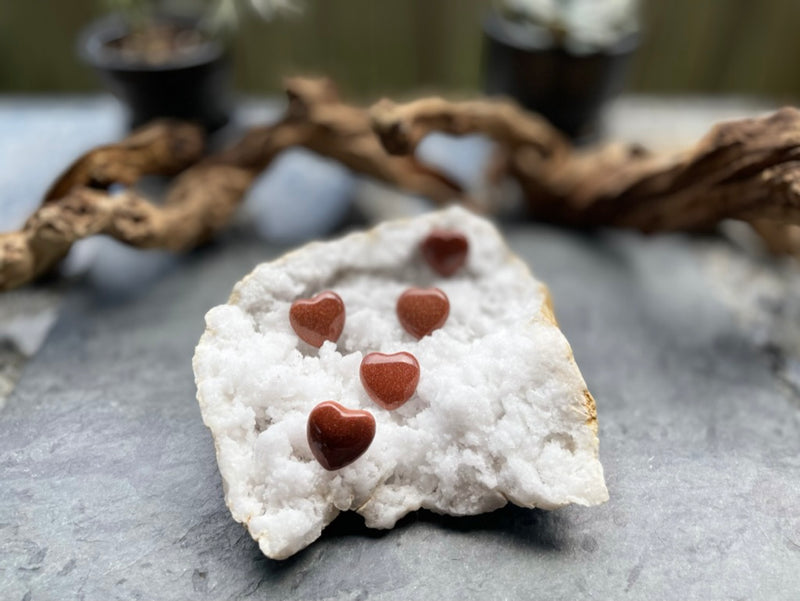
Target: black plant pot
{"type": "Point", "coordinates": [568, 90]}
{"type": "Point", "coordinates": [194, 87]}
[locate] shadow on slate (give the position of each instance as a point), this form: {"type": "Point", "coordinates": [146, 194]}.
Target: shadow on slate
{"type": "Point", "coordinates": [527, 528]}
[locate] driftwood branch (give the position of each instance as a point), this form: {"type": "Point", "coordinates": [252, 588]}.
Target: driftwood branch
{"type": "Point", "coordinates": [205, 195]}
{"type": "Point", "coordinates": [316, 119]}
{"type": "Point", "coordinates": [162, 148]}
{"type": "Point", "coordinates": [78, 203]}
{"type": "Point", "coordinates": [747, 169]}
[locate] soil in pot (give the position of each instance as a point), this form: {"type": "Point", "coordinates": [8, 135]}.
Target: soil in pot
{"type": "Point", "coordinates": [157, 45]}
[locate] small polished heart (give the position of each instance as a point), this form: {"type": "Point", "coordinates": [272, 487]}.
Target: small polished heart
{"type": "Point", "coordinates": [337, 435]}
{"type": "Point", "coordinates": [319, 318]}
{"type": "Point", "coordinates": [445, 251]}
{"type": "Point", "coordinates": [390, 379]}
{"type": "Point", "coordinates": [422, 310]}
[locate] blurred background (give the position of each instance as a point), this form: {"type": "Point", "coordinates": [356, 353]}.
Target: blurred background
{"type": "Point", "coordinates": [389, 46]}
{"type": "Point", "coordinates": [682, 64]}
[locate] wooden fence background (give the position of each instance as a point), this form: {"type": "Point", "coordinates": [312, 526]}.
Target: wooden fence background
{"type": "Point", "coordinates": [375, 46]}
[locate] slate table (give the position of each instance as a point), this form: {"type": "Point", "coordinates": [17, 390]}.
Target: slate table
{"type": "Point", "coordinates": [108, 483]}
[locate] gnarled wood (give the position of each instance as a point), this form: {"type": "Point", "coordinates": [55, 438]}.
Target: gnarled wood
{"type": "Point", "coordinates": [202, 198]}
{"type": "Point", "coordinates": [747, 169]}
{"type": "Point", "coordinates": [163, 147]}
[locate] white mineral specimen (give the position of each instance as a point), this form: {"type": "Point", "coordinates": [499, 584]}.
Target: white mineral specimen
{"type": "Point", "coordinates": [501, 412]}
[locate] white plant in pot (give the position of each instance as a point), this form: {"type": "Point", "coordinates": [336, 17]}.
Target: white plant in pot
{"type": "Point", "coordinates": [563, 59]}
{"type": "Point", "coordinates": [579, 26]}
{"type": "Point", "coordinates": [226, 13]}
{"type": "Point", "coordinates": [169, 58]}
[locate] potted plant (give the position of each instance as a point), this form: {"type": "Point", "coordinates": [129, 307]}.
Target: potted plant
{"type": "Point", "coordinates": [561, 58]}
{"type": "Point", "coordinates": [168, 58]}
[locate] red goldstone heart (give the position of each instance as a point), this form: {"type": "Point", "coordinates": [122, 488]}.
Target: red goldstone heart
{"type": "Point", "coordinates": [318, 319]}
{"type": "Point", "coordinates": [390, 380]}
{"type": "Point", "coordinates": [445, 251]}
{"type": "Point", "coordinates": [422, 310]}
{"type": "Point", "coordinates": [338, 435]}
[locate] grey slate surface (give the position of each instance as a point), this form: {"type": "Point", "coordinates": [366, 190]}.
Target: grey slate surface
{"type": "Point", "coordinates": [109, 488]}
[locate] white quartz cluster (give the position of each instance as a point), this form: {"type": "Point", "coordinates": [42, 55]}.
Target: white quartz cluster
{"type": "Point", "coordinates": [501, 412]}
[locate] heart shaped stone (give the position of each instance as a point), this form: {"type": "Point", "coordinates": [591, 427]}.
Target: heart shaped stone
{"type": "Point", "coordinates": [319, 318]}
{"type": "Point", "coordinates": [422, 310]}
{"type": "Point", "coordinates": [390, 380]}
{"type": "Point", "coordinates": [445, 251]}
{"type": "Point", "coordinates": [338, 435]}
